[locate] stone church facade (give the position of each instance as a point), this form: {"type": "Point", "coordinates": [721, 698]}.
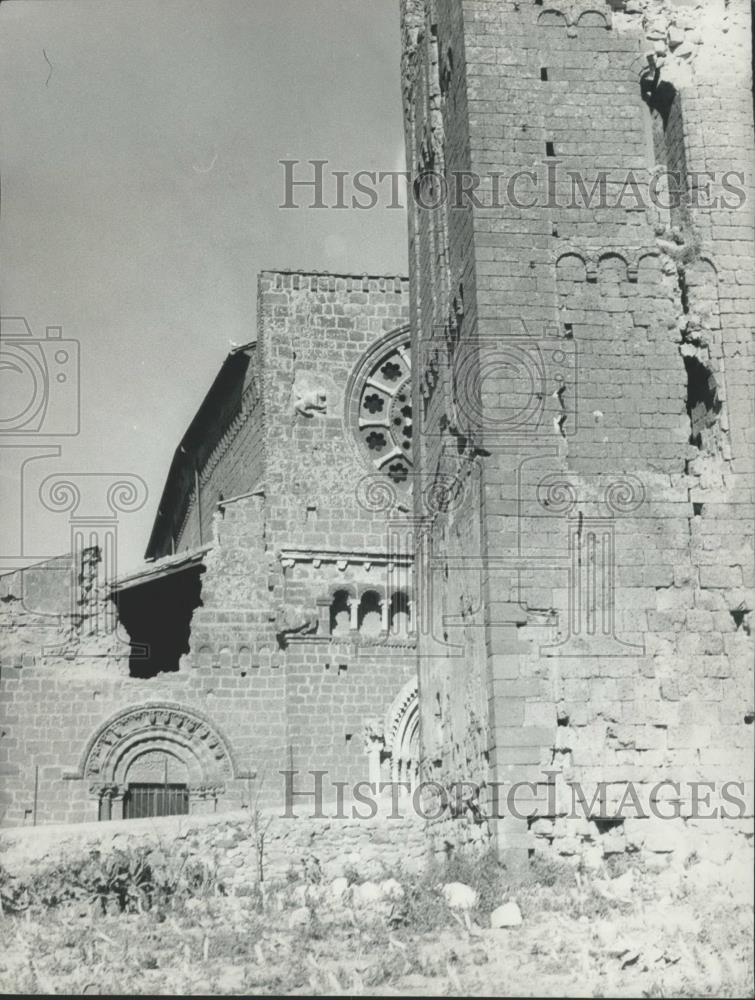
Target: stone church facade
{"type": "Point", "coordinates": [484, 527]}
{"type": "Point", "coordinates": [272, 627]}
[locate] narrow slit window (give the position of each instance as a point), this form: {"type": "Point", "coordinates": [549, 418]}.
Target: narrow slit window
{"type": "Point", "coordinates": [544, 74]}
{"type": "Point", "coordinates": [549, 149]}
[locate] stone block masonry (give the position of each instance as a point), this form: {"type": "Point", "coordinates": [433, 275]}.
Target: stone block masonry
{"type": "Point", "coordinates": [263, 674]}
{"type": "Point", "coordinates": [586, 374]}
{"type": "Point", "coordinates": [488, 525]}
{"type": "Point", "coordinates": [229, 845]}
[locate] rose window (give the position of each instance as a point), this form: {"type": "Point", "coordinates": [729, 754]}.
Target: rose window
{"type": "Point", "coordinates": [385, 413]}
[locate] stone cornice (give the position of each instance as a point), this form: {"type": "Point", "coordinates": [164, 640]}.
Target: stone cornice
{"type": "Point", "coordinates": [365, 557]}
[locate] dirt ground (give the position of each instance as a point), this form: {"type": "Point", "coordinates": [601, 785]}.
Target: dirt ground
{"type": "Point", "coordinates": [631, 932]}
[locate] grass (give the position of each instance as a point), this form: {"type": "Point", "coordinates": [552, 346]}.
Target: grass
{"type": "Point", "coordinates": [576, 938]}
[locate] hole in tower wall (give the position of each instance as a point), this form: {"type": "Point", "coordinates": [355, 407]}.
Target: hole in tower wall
{"type": "Point", "coordinates": [683, 291]}
{"type": "Point", "coordinates": [550, 149]}
{"type": "Point", "coordinates": [544, 74]}
{"type": "Point", "coordinates": [703, 404]}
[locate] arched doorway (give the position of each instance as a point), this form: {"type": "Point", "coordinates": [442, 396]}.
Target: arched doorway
{"type": "Point", "coordinates": [156, 760]}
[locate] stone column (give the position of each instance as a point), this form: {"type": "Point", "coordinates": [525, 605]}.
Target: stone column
{"type": "Point", "coordinates": [102, 793]}
{"type": "Point", "coordinates": [117, 796]}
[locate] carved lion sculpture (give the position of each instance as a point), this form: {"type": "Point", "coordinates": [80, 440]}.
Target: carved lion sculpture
{"type": "Point", "coordinates": [308, 403]}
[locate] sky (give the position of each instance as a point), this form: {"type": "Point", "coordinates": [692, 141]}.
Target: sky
{"type": "Point", "coordinates": [141, 185]}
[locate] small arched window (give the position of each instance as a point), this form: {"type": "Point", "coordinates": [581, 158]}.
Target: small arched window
{"type": "Point", "coordinates": [668, 155]}
{"type": "Point", "coordinates": [370, 619]}
{"type": "Point", "coordinates": [340, 613]}
{"type": "Point", "coordinates": [400, 614]}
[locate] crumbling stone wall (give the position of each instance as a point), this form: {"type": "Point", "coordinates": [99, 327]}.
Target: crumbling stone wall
{"type": "Point", "coordinates": [48, 606]}
{"type": "Point", "coordinates": [264, 687]}
{"type": "Point", "coordinates": [48, 613]}
{"type": "Point", "coordinates": [589, 368]}
{"type": "Point", "coordinates": [235, 845]}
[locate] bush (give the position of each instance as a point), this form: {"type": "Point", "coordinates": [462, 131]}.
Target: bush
{"type": "Point", "coordinates": [125, 880]}
{"type": "Point", "coordinates": [483, 872]}
{"type": "Point", "coordinates": [551, 872]}
{"type": "Point", "coordinates": [14, 895]}
{"type": "Point", "coordinates": [422, 907]}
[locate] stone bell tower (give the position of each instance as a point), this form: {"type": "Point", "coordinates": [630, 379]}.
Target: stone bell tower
{"type": "Point", "coordinates": [581, 266]}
